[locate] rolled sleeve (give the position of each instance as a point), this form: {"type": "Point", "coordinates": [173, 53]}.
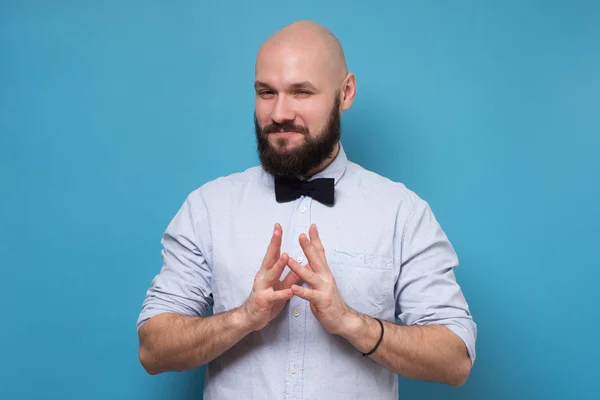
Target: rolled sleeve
{"type": "Point", "coordinates": [183, 284]}
{"type": "Point", "coordinates": [427, 291]}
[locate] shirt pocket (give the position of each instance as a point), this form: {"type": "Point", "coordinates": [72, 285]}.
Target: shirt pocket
{"type": "Point", "coordinates": [365, 281]}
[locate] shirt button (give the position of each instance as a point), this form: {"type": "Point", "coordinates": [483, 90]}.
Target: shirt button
{"type": "Point", "coordinates": [302, 209]}
{"type": "Point", "coordinates": [300, 259]}
{"type": "Point", "coordinates": [296, 313]}
{"type": "Point", "coordinates": [293, 370]}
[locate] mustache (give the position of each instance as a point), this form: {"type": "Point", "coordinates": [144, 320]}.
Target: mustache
{"type": "Point", "coordinates": [285, 127]}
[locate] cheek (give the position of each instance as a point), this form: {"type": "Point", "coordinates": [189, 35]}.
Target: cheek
{"type": "Point", "coordinates": [315, 117]}
{"type": "Point", "coordinates": [263, 112]}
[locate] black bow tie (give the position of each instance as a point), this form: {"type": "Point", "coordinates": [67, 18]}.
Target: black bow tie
{"type": "Point", "coordinates": [288, 189]}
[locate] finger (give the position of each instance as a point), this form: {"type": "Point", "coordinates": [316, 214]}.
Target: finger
{"type": "Point", "coordinates": [318, 247]}
{"type": "Point", "coordinates": [273, 249]}
{"type": "Point", "coordinates": [278, 295]}
{"type": "Point", "coordinates": [309, 295]}
{"type": "Point", "coordinates": [313, 257]}
{"type": "Point", "coordinates": [315, 240]}
{"type": "Point", "coordinates": [289, 280]}
{"type": "Point", "coordinates": [275, 272]}
{"type": "Point", "coordinates": [307, 275]}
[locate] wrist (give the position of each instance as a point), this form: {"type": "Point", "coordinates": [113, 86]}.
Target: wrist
{"type": "Point", "coordinates": [241, 320]}
{"type": "Point", "coordinates": [352, 325]}
{"type": "Point", "coordinates": [361, 330]}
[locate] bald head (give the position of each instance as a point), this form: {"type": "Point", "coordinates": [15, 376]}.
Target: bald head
{"type": "Point", "coordinates": [309, 41]}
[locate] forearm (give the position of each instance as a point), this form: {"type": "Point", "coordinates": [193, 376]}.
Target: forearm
{"type": "Point", "coordinates": [171, 342]}
{"type": "Point", "coordinates": [429, 353]}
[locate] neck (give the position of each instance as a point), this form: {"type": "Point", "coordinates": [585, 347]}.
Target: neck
{"type": "Point", "coordinates": [325, 163]}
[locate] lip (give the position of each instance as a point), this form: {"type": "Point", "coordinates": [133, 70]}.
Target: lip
{"type": "Point", "coordinates": [286, 134]}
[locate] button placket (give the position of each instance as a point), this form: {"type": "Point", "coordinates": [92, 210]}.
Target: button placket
{"type": "Point", "coordinates": [297, 306]}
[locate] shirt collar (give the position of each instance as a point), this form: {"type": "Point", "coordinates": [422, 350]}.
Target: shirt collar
{"type": "Point", "coordinates": [336, 168]}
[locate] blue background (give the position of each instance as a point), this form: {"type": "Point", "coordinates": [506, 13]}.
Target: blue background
{"type": "Point", "coordinates": [112, 112]}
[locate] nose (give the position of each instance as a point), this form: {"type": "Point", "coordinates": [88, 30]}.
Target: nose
{"type": "Point", "coordinates": [283, 110]}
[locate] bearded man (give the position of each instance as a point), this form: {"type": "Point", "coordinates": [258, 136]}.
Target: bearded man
{"type": "Point", "coordinates": [326, 280]}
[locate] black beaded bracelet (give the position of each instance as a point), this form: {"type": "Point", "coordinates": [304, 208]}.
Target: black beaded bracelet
{"type": "Point", "coordinates": [378, 342]}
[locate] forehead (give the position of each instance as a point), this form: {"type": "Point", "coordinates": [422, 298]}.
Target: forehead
{"type": "Point", "coordinates": [282, 65]}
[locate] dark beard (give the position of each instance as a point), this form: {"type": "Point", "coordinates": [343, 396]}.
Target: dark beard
{"type": "Point", "coordinates": [314, 150]}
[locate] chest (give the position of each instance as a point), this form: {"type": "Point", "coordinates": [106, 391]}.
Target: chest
{"type": "Point", "coordinates": [359, 241]}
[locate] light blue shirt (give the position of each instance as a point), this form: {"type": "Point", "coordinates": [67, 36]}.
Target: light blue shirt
{"type": "Point", "coordinates": [387, 252]}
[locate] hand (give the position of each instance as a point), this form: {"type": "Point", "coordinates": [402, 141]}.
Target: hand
{"type": "Point", "coordinates": [326, 302]}
{"type": "Point", "coordinates": [269, 294]}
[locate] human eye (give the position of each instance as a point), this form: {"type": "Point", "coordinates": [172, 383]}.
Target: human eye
{"type": "Point", "coordinates": [303, 92]}
{"type": "Point", "coordinates": [265, 93]}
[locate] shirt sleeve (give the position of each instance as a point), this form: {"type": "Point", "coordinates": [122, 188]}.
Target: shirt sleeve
{"type": "Point", "coordinates": [427, 291]}
{"type": "Point", "coordinates": [183, 284]}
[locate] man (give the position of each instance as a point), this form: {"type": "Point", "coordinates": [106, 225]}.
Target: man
{"type": "Point", "coordinates": [307, 260]}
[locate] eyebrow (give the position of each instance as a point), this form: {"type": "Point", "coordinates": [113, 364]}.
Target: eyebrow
{"type": "Point", "coordinates": [294, 86]}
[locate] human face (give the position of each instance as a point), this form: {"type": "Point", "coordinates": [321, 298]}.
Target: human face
{"type": "Point", "coordinates": [297, 110]}
{"type": "Point", "coordinates": [307, 156]}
